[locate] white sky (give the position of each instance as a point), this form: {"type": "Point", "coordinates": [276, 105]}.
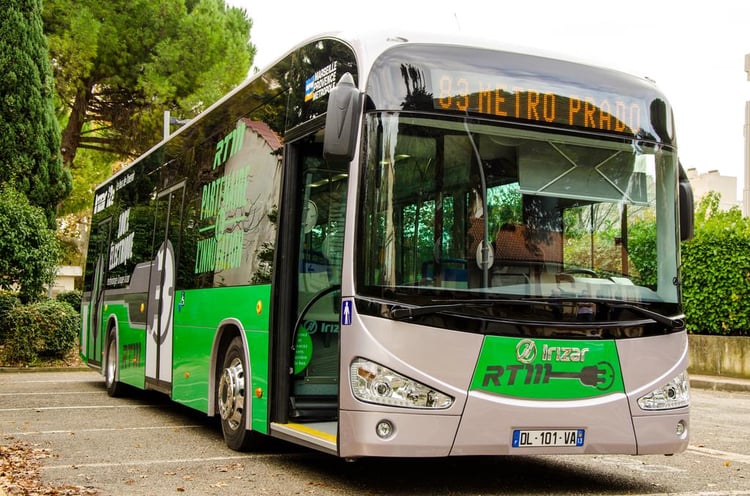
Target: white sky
{"type": "Point", "coordinates": [693, 50]}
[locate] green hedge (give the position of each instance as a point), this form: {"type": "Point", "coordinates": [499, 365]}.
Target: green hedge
{"type": "Point", "coordinates": [716, 272]}
{"type": "Point", "coordinates": [8, 301]}
{"type": "Point", "coordinates": [44, 330]}
{"type": "Point", "coordinates": [73, 298]}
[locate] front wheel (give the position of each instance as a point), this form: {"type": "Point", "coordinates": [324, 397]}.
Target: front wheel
{"type": "Point", "coordinates": [232, 398]}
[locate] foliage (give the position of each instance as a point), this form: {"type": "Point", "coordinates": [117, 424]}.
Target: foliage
{"type": "Point", "coordinates": [89, 169]}
{"type": "Point", "coordinates": [72, 298]}
{"type": "Point", "coordinates": [46, 329]}
{"type": "Point", "coordinates": [29, 250]}
{"type": "Point", "coordinates": [120, 64]}
{"type": "Point", "coordinates": [8, 301]}
{"type": "Point", "coordinates": [507, 201]}
{"type": "Point", "coordinates": [642, 251]}
{"type": "Point", "coordinates": [30, 159]}
{"type": "Point", "coordinates": [716, 271]}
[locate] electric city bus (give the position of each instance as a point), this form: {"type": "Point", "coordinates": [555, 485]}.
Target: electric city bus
{"type": "Point", "coordinates": [406, 246]}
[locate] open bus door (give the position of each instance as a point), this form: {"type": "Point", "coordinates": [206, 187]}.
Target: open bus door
{"type": "Point", "coordinates": [307, 314]}
{"type": "Point", "coordinates": [319, 254]}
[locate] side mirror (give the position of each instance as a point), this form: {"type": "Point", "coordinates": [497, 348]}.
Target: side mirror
{"type": "Point", "coordinates": [687, 207]}
{"type": "Point", "coordinates": [342, 120]}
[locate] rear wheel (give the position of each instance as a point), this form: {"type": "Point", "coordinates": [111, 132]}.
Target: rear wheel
{"type": "Point", "coordinates": [233, 400]}
{"type": "Point", "coordinates": [114, 387]}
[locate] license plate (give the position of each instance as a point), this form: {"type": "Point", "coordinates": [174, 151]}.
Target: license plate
{"type": "Point", "coordinates": [541, 438]}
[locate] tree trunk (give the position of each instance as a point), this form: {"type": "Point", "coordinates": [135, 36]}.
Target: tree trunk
{"type": "Point", "coordinates": [71, 135]}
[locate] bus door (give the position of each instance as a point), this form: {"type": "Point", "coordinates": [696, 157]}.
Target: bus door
{"type": "Point", "coordinates": [319, 253]}
{"type": "Point", "coordinates": [101, 239]}
{"type": "Point", "coordinates": [161, 296]}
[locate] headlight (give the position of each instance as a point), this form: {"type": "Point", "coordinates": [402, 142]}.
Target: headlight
{"type": "Point", "coordinates": [374, 383]}
{"type": "Point", "coordinates": [674, 394]}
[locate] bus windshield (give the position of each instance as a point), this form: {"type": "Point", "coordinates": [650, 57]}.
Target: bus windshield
{"type": "Point", "coordinates": [456, 209]}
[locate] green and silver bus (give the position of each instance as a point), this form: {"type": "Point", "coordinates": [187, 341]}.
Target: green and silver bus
{"type": "Point", "coordinates": [406, 246]}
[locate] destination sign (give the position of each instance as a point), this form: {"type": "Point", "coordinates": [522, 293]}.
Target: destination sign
{"type": "Point", "coordinates": [525, 99]}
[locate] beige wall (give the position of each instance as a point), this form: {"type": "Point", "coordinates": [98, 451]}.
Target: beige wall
{"type": "Point", "coordinates": [719, 355]}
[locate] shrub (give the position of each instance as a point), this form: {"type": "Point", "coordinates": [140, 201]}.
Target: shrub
{"type": "Point", "coordinates": [73, 298]}
{"type": "Point", "coordinates": [46, 329]}
{"type": "Point", "coordinates": [8, 301]}
{"type": "Point", "coordinates": [716, 271]}
{"type": "Point", "coordinates": [29, 250]}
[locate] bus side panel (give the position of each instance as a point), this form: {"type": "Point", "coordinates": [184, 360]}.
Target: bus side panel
{"type": "Point", "coordinates": [131, 343]}
{"type": "Point", "coordinates": [198, 316]}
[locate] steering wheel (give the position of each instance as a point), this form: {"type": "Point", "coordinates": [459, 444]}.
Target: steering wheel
{"type": "Point", "coordinates": [581, 270]}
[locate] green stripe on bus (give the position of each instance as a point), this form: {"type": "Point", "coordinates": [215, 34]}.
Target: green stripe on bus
{"type": "Point", "coordinates": [550, 369]}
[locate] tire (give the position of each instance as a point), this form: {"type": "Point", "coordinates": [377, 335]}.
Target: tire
{"type": "Point", "coordinates": [233, 400]}
{"type": "Point", "coordinates": [111, 367]}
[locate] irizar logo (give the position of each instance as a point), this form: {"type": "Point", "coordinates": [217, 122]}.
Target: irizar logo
{"type": "Point", "coordinates": [526, 352]}
{"type": "Point", "coordinates": [563, 354]}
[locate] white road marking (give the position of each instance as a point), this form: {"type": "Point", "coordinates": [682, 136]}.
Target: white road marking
{"type": "Point", "coordinates": [90, 407]}
{"type": "Point", "coordinates": [722, 455]}
{"type": "Point", "coordinates": [107, 429]}
{"type": "Point", "coordinates": [52, 393]}
{"type": "Point", "coordinates": [163, 461]}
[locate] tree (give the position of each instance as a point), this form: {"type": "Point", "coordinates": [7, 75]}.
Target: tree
{"type": "Point", "coordinates": [30, 158]}
{"type": "Point", "coordinates": [29, 250]}
{"type": "Point", "coordinates": [120, 64]}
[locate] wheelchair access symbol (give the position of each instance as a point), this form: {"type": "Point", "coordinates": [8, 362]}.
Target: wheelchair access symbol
{"type": "Point", "coordinates": [346, 312]}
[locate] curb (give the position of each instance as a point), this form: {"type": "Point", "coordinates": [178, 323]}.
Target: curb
{"type": "Point", "coordinates": [719, 383]}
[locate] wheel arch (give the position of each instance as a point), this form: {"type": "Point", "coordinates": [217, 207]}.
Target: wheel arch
{"type": "Point", "coordinates": [228, 329]}
{"type": "Point", "coordinates": [113, 328]}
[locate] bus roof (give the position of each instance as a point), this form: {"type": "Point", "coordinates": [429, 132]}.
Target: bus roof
{"type": "Point", "coordinates": [372, 44]}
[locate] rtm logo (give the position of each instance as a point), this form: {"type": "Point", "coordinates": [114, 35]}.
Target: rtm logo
{"type": "Point", "coordinates": [526, 352]}
{"type": "Point", "coordinates": [600, 376]}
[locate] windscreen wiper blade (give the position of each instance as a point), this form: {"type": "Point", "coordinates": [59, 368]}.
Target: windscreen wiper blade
{"type": "Point", "coordinates": [672, 322]}
{"type": "Point", "coordinates": [403, 313]}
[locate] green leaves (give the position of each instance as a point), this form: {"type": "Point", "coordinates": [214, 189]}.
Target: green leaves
{"type": "Point", "coordinates": [29, 250]}
{"type": "Point", "coordinates": [29, 133]}
{"type": "Point", "coordinates": [121, 64]}
{"type": "Point", "coordinates": [716, 271]}
{"type": "Point", "coordinates": [46, 329]}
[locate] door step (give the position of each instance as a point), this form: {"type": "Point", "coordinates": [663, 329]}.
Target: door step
{"type": "Point", "coordinates": [321, 436]}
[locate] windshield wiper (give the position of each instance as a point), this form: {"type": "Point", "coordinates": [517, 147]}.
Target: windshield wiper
{"type": "Point", "coordinates": [402, 313]}
{"type": "Point", "coordinates": [671, 322]}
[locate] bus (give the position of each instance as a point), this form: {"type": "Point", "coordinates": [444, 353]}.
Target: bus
{"type": "Point", "coordinates": [406, 246]}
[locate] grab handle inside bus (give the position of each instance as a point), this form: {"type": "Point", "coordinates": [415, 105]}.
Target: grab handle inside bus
{"type": "Point", "coordinates": [342, 119]}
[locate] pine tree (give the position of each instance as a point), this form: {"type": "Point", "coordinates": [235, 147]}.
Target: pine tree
{"type": "Point", "coordinates": [30, 158]}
